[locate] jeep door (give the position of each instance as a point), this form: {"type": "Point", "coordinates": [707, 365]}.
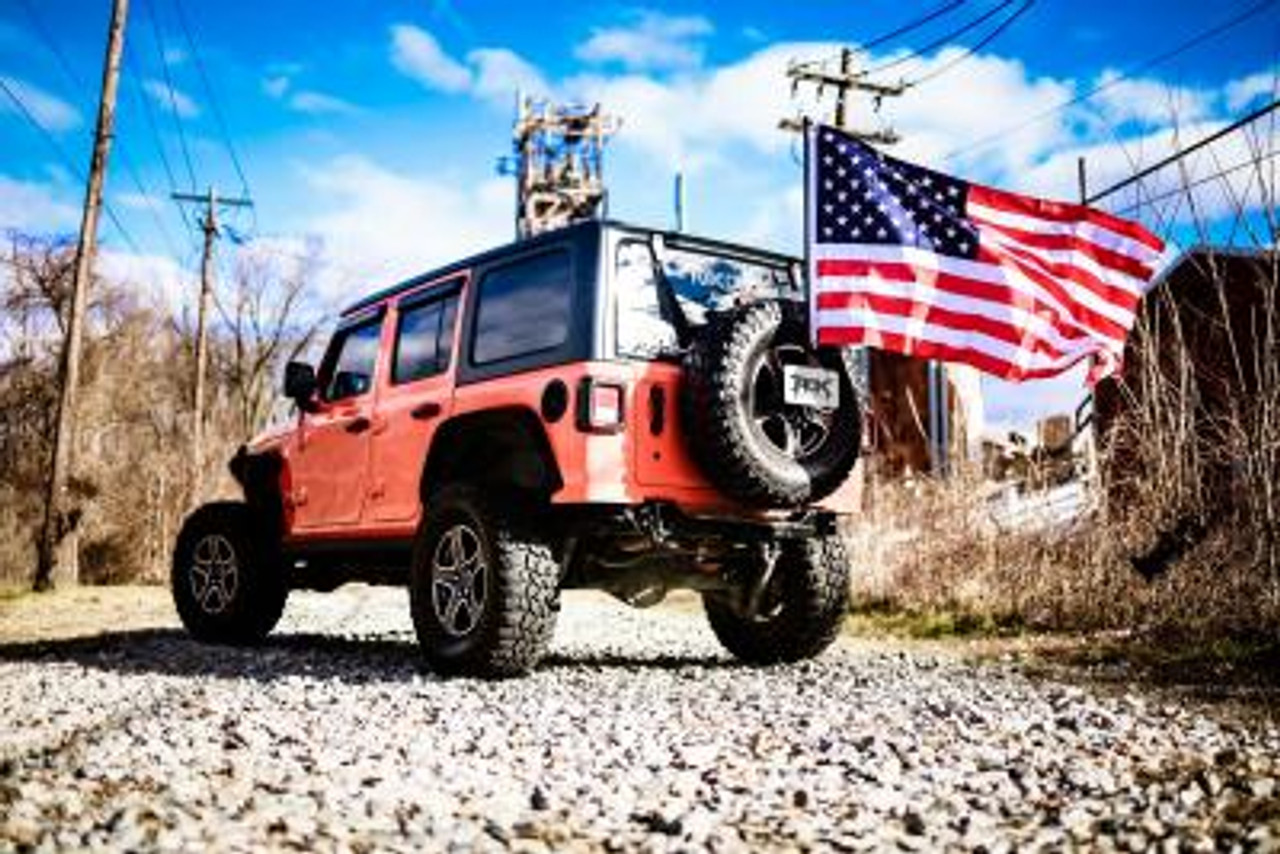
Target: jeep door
{"type": "Point", "coordinates": [418, 396]}
{"type": "Point", "coordinates": [330, 459]}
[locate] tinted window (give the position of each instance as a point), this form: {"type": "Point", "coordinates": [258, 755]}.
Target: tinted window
{"type": "Point", "coordinates": [642, 331]}
{"type": "Point", "coordinates": [701, 281]}
{"type": "Point", "coordinates": [349, 366]}
{"type": "Point", "coordinates": [522, 308]}
{"type": "Point", "coordinates": [424, 339]}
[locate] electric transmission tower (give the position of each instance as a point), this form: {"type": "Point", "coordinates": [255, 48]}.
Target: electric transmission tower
{"type": "Point", "coordinates": [558, 164]}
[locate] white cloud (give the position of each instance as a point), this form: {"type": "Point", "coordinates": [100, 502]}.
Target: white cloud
{"type": "Point", "coordinates": [499, 73]}
{"type": "Point", "coordinates": [690, 121]}
{"type": "Point", "coordinates": [1146, 102]}
{"type": "Point", "coordinates": [156, 279]}
{"type": "Point", "coordinates": [52, 113]}
{"type": "Point", "coordinates": [1240, 93]}
{"type": "Point", "coordinates": [378, 225]}
{"type": "Point", "coordinates": [490, 73]}
{"type": "Point", "coordinates": [174, 100]}
{"type": "Point", "coordinates": [276, 85]}
{"type": "Point", "coordinates": [417, 54]}
{"type": "Point", "coordinates": [651, 40]}
{"type": "Point", "coordinates": [140, 201]}
{"type": "Point", "coordinates": [947, 116]}
{"type": "Point", "coordinates": [34, 208]}
{"type": "Point", "coordinates": [319, 103]}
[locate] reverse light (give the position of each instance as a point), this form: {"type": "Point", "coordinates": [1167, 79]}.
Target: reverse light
{"type": "Point", "coordinates": [600, 406]}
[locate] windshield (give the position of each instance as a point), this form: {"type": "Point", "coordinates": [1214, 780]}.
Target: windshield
{"type": "Point", "coordinates": [702, 281]}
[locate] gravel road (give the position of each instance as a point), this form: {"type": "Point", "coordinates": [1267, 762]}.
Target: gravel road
{"type": "Point", "coordinates": [638, 734]}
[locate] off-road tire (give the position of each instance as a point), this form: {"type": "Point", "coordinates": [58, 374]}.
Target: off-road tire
{"type": "Point", "coordinates": [518, 617]}
{"type": "Point", "coordinates": [718, 370]}
{"type": "Point", "coordinates": [222, 544]}
{"type": "Point", "coordinates": [801, 613]}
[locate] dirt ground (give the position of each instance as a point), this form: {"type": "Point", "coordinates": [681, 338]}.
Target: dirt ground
{"type": "Point", "coordinates": [83, 612]}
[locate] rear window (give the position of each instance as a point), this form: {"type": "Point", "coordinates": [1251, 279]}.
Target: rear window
{"type": "Point", "coordinates": [522, 308]}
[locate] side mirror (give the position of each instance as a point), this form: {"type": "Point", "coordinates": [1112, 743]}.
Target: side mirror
{"type": "Point", "coordinates": [300, 384]}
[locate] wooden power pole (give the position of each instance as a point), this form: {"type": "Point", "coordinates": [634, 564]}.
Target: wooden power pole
{"type": "Point", "coordinates": [844, 81]}
{"type": "Point", "coordinates": [56, 560]}
{"type": "Point", "coordinates": [209, 225]}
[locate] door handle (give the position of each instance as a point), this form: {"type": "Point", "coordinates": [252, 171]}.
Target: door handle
{"type": "Point", "coordinates": [425, 411]}
{"type": "Point", "coordinates": [358, 424]}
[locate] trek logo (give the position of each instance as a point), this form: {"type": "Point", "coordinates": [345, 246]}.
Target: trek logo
{"type": "Point", "coordinates": [814, 387]}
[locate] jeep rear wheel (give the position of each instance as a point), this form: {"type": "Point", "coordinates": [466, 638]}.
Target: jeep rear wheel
{"type": "Point", "coordinates": [749, 441]}
{"type": "Point", "coordinates": [226, 580]}
{"type": "Point", "coordinates": [796, 615]}
{"type": "Point", "coordinates": [483, 591]}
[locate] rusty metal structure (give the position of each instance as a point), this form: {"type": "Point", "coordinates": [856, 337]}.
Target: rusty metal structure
{"type": "Point", "coordinates": [558, 164]}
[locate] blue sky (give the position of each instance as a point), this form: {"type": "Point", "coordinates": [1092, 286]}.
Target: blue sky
{"type": "Point", "coordinates": [372, 128]}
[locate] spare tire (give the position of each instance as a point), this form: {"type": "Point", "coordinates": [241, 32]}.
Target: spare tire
{"type": "Point", "coordinates": [746, 438]}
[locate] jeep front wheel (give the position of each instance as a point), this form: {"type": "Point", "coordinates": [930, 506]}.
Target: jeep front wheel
{"type": "Point", "coordinates": [226, 580]}
{"type": "Point", "coordinates": [483, 591]}
{"type": "Point", "coordinates": [796, 615]}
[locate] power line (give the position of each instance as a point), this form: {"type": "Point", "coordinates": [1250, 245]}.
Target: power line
{"type": "Point", "coordinates": [1181, 48]}
{"type": "Point", "coordinates": [168, 82]}
{"type": "Point", "coordinates": [1177, 191]}
{"type": "Point", "coordinates": [77, 84]}
{"type": "Point", "coordinates": [986, 40]}
{"type": "Point", "coordinates": [1179, 155]}
{"type": "Point", "coordinates": [67, 162]}
{"type": "Point", "coordinates": [213, 97]}
{"type": "Point", "coordinates": [913, 25]}
{"type": "Point", "coordinates": [145, 106]}
{"type": "Point", "coordinates": [944, 40]}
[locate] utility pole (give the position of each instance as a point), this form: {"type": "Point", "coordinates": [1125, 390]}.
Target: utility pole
{"type": "Point", "coordinates": [60, 520]}
{"type": "Point", "coordinates": [844, 81]}
{"type": "Point", "coordinates": [209, 225]}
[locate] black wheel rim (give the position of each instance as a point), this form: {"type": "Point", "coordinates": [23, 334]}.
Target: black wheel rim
{"type": "Point", "coordinates": [459, 581]}
{"type": "Point", "coordinates": [215, 573]}
{"type": "Point", "coordinates": [798, 432]}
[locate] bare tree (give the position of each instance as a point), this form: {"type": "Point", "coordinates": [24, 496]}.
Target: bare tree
{"type": "Point", "coordinates": [267, 318]}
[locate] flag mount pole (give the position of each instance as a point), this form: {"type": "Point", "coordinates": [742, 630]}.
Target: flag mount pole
{"type": "Point", "coordinates": [806, 132]}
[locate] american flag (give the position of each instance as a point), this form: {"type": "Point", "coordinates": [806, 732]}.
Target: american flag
{"type": "Point", "coordinates": [907, 259]}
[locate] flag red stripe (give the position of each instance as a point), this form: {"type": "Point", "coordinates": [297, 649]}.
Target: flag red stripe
{"type": "Point", "coordinates": [837, 336]}
{"type": "Point", "coordinates": [897, 271]}
{"type": "Point", "coordinates": [1082, 313]}
{"type": "Point", "coordinates": [1121, 298]}
{"type": "Point", "coordinates": [962, 286]}
{"type": "Point", "coordinates": [942, 317]}
{"type": "Point", "coordinates": [1061, 212]}
{"type": "Point", "coordinates": [1071, 243]}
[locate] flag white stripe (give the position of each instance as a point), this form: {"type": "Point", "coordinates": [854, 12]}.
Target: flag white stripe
{"type": "Point", "coordinates": [1019, 321]}
{"type": "Point", "coordinates": [1007, 275]}
{"type": "Point", "coordinates": [1104, 274]}
{"type": "Point", "coordinates": [1098, 235]}
{"type": "Point", "coordinates": [1020, 357]}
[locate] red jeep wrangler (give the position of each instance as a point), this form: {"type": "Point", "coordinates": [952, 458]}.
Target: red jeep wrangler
{"type": "Point", "coordinates": [601, 406]}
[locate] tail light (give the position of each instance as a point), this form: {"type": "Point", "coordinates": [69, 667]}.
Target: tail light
{"type": "Point", "coordinates": [601, 406]}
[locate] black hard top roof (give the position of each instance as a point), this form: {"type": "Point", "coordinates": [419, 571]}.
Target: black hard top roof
{"type": "Point", "coordinates": [675, 239]}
